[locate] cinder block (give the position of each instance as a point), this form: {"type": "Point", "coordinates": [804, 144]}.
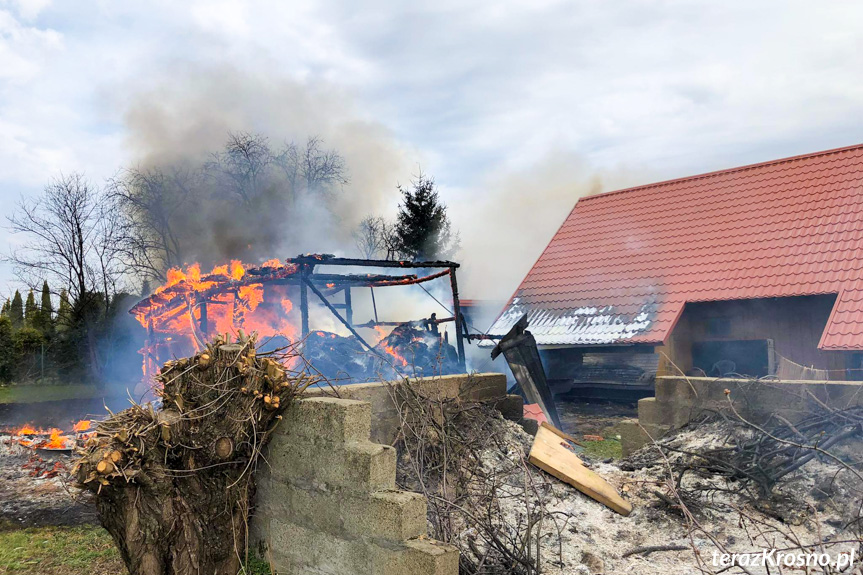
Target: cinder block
{"type": "Point", "coordinates": [360, 466]}
{"type": "Point", "coordinates": [391, 515]}
{"type": "Point", "coordinates": [309, 551]}
{"type": "Point", "coordinates": [511, 407]}
{"type": "Point", "coordinates": [326, 419]}
{"type": "Point", "coordinates": [652, 412]}
{"type": "Point", "coordinates": [416, 557]}
{"type": "Point", "coordinates": [309, 508]}
{"type": "Point", "coordinates": [673, 389]}
{"type": "Point", "coordinates": [484, 387]}
{"type": "Point", "coordinates": [634, 436]}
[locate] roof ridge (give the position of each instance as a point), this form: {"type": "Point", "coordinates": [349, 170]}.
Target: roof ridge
{"type": "Point", "coordinates": [715, 173]}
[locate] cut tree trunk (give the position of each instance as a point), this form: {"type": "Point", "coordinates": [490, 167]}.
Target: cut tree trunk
{"type": "Point", "coordinates": [174, 484]}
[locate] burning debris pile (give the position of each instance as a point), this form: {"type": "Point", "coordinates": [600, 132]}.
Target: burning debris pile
{"type": "Point", "coordinates": [53, 439]}
{"type": "Point", "coordinates": [273, 300]}
{"type": "Point", "coordinates": [173, 484]}
{"type": "Point", "coordinates": [406, 351]}
{"type": "Point", "coordinates": [34, 465]}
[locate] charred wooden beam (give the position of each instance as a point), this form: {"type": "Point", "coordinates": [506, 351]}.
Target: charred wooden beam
{"type": "Point", "coordinates": [304, 302]}
{"type": "Point", "coordinates": [342, 320]}
{"type": "Point", "coordinates": [417, 322]}
{"type": "Point", "coordinates": [519, 348]}
{"type": "Point", "coordinates": [330, 260]}
{"type": "Point", "coordinates": [349, 310]}
{"type": "Point", "coordinates": [459, 320]}
{"type": "Point", "coordinates": [358, 278]}
{"type": "Point", "coordinates": [204, 325]}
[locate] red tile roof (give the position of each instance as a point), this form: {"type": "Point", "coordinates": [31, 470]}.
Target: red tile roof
{"type": "Point", "coordinates": [624, 263]}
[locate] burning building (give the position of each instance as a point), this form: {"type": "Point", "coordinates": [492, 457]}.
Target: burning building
{"type": "Point", "coordinates": [273, 299]}
{"type": "Point", "coordinates": [754, 271]}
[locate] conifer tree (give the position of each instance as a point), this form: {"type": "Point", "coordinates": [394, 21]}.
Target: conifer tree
{"type": "Point", "coordinates": [16, 310]}
{"type": "Point", "coordinates": [423, 228]}
{"type": "Point", "coordinates": [46, 311]}
{"type": "Point", "coordinates": [31, 311]}
{"type": "Point", "coordinates": [64, 311]}
{"type": "Point", "coordinates": [7, 305]}
{"type": "Point", "coordinates": [7, 347]}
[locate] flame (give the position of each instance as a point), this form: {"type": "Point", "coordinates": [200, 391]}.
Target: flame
{"type": "Point", "coordinates": [253, 295]}
{"type": "Point", "coordinates": [396, 355]}
{"type": "Point", "coordinates": [56, 440]}
{"type": "Point", "coordinates": [81, 426]}
{"type": "Point", "coordinates": [237, 271]}
{"type": "Point", "coordinates": [27, 430]}
{"type": "Point", "coordinates": [234, 296]}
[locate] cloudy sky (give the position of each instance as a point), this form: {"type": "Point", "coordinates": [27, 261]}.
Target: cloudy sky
{"type": "Point", "coordinates": [516, 108]}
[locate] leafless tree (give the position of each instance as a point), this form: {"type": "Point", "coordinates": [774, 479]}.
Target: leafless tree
{"type": "Point", "coordinates": [312, 168]}
{"type": "Point", "coordinates": [71, 239]}
{"type": "Point", "coordinates": [152, 203]}
{"type": "Point", "coordinates": [243, 166]}
{"type": "Point", "coordinates": [375, 237]}
{"type": "Point", "coordinates": [367, 236]}
{"type": "Point", "coordinates": [390, 241]}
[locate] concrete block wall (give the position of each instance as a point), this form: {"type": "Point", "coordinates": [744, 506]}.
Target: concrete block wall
{"type": "Point", "coordinates": [385, 398]}
{"type": "Point", "coordinates": [678, 400]}
{"type": "Point", "coordinates": [327, 502]}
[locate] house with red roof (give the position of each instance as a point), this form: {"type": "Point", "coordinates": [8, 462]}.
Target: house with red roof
{"type": "Point", "coordinates": [756, 270]}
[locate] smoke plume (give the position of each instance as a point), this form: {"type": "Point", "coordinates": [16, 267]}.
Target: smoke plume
{"type": "Point", "coordinates": [180, 122]}
{"type": "Point", "coordinates": [519, 212]}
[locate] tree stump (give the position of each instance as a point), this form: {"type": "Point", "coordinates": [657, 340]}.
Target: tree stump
{"type": "Point", "coordinates": [174, 484]}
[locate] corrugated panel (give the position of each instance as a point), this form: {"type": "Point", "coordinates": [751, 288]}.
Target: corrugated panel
{"type": "Point", "coordinates": [624, 263]}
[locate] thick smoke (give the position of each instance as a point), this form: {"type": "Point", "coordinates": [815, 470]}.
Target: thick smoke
{"type": "Point", "coordinates": [180, 122]}
{"type": "Point", "coordinates": [504, 232]}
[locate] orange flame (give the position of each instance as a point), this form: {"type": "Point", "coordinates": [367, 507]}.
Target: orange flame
{"type": "Point", "coordinates": [82, 425]}
{"type": "Point", "coordinates": [237, 271]}
{"type": "Point", "coordinates": [233, 296]}
{"type": "Point", "coordinates": [56, 440]}
{"type": "Point", "coordinates": [27, 430]}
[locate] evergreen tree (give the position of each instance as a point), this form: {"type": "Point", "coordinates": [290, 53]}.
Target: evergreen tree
{"type": "Point", "coordinates": [46, 311]}
{"type": "Point", "coordinates": [64, 312]}
{"type": "Point", "coordinates": [423, 229]}
{"type": "Point", "coordinates": [7, 305]}
{"type": "Point", "coordinates": [7, 348]}
{"type": "Point", "coordinates": [31, 311]}
{"type": "Point", "coordinates": [16, 310]}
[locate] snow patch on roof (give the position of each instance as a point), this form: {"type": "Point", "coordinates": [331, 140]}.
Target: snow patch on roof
{"type": "Point", "coordinates": [585, 325]}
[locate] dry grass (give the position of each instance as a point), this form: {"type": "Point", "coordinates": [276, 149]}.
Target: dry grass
{"type": "Point", "coordinates": [59, 551]}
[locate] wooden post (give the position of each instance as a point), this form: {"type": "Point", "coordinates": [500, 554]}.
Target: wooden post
{"type": "Point", "coordinates": [349, 310]}
{"type": "Point", "coordinates": [374, 305]}
{"type": "Point", "coordinates": [204, 324]}
{"type": "Point", "coordinates": [456, 312]}
{"type": "Point", "coordinates": [304, 304]}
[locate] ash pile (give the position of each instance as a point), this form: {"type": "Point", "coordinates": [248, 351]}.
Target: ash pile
{"type": "Point", "coordinates": [34, 486]}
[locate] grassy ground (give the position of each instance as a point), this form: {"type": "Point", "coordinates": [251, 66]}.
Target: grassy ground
{"type": "Point", "coordinates": [59, 551]}
{"type": "Point", "coordinates": [72, 551]}
{"type": "Point", "coordinates": [37, 393]}
{"type": "Point", "coordinates": [609, 447]}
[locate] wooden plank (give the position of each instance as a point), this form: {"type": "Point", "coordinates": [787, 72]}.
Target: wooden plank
{"type": "Point", "coordinates": [549, 454]}
{"type": "Point", "coordinates": [561, 434]}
